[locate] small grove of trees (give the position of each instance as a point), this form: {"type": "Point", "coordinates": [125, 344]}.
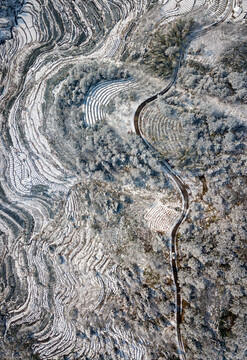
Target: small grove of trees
{"type": "Point", "coordinates": [164, 49]}
{"type": "Point", "coordinates": [235, 58]}
{"type": "Point", "coordinates": [212, 272]}
{"type": "Point", "coordinates": [207, 138]}
{"type": "Point", "coordinates": [200, 79]}
{"type": "Point", "coordinates": [105, 156]}
{"type": "Point", "coordinates": [84, 76]}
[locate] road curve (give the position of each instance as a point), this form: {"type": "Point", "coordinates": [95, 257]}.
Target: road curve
{"type": "Point", "coordinates": [180, 185]}
{"type": "Point", "coordinates": [176, 179]}
{"type": "Point", "coordinates": [154, 97]}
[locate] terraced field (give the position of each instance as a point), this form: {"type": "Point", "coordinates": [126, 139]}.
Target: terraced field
{"type": "Point", "coordinates": [88, 215]}
{"type": "Point", "coordinates": [99, 96]}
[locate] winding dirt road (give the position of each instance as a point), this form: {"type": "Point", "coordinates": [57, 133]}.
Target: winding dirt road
{"type": "Point", "coordinates": [175, 178]}
{"type": "Point", "coordinates": [180, 185]}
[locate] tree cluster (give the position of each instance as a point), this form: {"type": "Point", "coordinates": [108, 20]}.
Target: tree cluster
{"type": "Point", "coordinates": [82, 77]}
{"type": "Point", "coordinates": [227, 80]}
{"type": "Point", "coordinates": [164, 49]}
{"type": "Point", "coordinates": [201, 80]}
{"type": "Point", "coordinates": [210, 139]}
{"type": "Point", "coordinates": [213, 264]}
{"type": "Point", "coordinates": [212, 240]}
{"type": "Point", "coordinates": [235, 57]}
{"type": "Point", "coordinates": [105, 156]}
